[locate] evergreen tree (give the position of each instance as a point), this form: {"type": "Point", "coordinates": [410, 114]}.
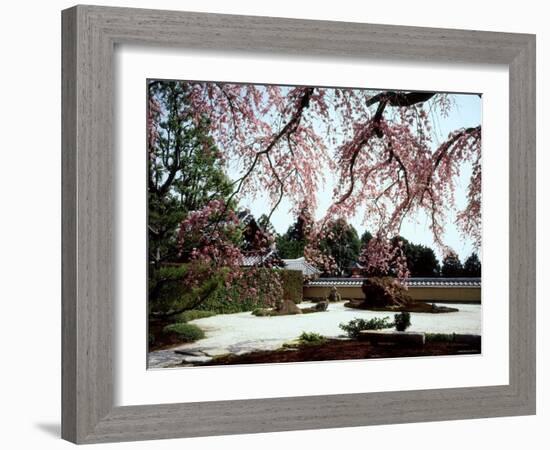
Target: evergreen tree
{"type": "Point", "coordinates": [342, 244]}
{"type": "Point", "coordinates": [452, 267]}
{"type": "Point", "coordinates": [365, 238]}
{"type": "Point", "coordinates": [472, 266]}
{"type": "Point", "coordinates": [424, 263]}
{"type": "Point", "coordinates": [421, 260]}
{"type": "Point", "coordinates": [291, 244]}
{"type": "Point", "coordinates": [185, 170]}
{"type": "Point", "coordinates": [257, 234]}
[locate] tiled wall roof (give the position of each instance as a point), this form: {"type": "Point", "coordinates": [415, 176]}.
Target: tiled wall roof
{"type": "Point", "coordinates": [410, 282]}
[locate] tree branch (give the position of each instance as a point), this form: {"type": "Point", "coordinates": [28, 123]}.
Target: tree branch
{"type": "Point", "coordinates": [401, 99]}
{"type": "Point", "coordinates": [395, 99]}
{"type": "Point", "coordinates": [289, 128]}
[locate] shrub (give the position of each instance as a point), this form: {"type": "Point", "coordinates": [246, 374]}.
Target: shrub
{"type": "Point", "coordinates": [402, 321]}
{"type": "Point", "coordinates": [193, 314]}
{"type": "Point", "coordinates": [226, 301]}
{"type": "Point", "coordinates": [353, 327]}
{"type": "Point", "coordinates": [311, 338]}
{"type": "Point", "coordinates": [440, 337]}
{"type": "Point", "coordinates": [263, 312]}
{"type": "Point", "coordinates": [229, 299]}
{"type": "Point", "coordinates": [169, 292]}
{"type": "Point", "coordinates": [165, 286]}
{"type": "Point", "coordinates": [186, 332]}
{"type": "Point", "coordinates": [293, 284]}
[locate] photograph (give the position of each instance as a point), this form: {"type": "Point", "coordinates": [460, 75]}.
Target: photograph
{"type": "Point", "coordinates": [274, 225]}
{"type": "Point", "coordinates": [305, 223]}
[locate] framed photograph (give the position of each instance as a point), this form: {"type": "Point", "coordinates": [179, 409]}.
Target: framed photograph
{"type": "Point", "coordinates": [278, 224]}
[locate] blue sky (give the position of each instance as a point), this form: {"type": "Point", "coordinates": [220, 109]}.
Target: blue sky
{"type": "Point", "coordinates": [467, 112]}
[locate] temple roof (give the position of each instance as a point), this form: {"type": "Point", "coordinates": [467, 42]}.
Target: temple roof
{"type": "Point", "coordinates": [302, 265]}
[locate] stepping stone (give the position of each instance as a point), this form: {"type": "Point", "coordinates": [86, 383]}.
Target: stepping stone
{"type": "Point", "coordinates": [196, 359]}
{"type": "Point", "coordinates": [196, 353]}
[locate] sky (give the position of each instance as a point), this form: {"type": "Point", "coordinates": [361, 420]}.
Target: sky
{"type": "Point", "coordinates": [467, 112]}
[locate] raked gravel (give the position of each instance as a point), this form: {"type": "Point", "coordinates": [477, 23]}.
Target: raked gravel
{"type": "Point", "coordinates": [242, 332]}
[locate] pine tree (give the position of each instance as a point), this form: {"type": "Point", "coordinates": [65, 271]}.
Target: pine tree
{"type": "Point", "coordinates": [185, 170]}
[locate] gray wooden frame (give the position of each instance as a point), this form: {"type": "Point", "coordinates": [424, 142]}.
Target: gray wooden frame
{"type": "Point", "coordinates": [89, 36]}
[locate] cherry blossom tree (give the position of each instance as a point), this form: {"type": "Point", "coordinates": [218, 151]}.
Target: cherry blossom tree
{"type": "Point", "coordinates": [212, 239]}
{"type": "Point", "coordinates": [380, 144]}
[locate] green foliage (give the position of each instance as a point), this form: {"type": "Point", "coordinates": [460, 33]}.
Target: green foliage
{"type": "Point", "coordinates": [421, 260]}
{"type": "Point", "coordinates": [257, 235]}
{"type": "Point", "coordinates": [185, 170]}
{"type": "Point", "coordinates": [186, 332]}
{"type": "Point", "coordinates": [288, 248]}
{"type": "Point", "coordinates": [226, 300]}
{"type": "Point", "coordinates": [343, 244]}
{"type": "Point", "coordinates": [353, 327]}
{"type": "Point", "coordinates": [193, 314]}
{"type": "Point", "coordinates": [472, 266]}
{"type": "Point", "coordinates": [365, 238]}
{"type": "Point", "coordinates": [452, 267]}
{"type": "Point", "coordinates": [311, 338]}
{"type": "Point", "coordinates": [165, 286]}
{"type": "Point", "coordinates": [266, 225]}
{"type": "Point", "coordinates": [293, 283]}
{"type": "Point", "coordinates": [402, 321]}
{"type": "Point", "coordinates": [440, 337]}
{"type": "Point", "coordinates": [291, 244]}
{"type": "Point", "coordinates": [168, 293]}
{"type": "Point", "coordinates": [230, 299]}
{"type": "Point", "coordinates": [263, 312]}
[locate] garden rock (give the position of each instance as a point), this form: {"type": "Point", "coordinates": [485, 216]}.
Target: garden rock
{"type": "Point", "coordinates": [287, 307]}
{"type": "Point", "coordinates": [318, 307]}
{"type": "Point", "coordinates": [334, 295]}
{"type": "Point", "coordinates": [321, 306]}
{"type": "Point", "coordinates": [383, 292]}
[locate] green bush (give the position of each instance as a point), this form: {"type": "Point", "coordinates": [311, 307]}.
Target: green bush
{"type": "Point", "coordinates": [168, 292]}
{"type": "Point", "coordinates": [293, 285]}
{"type": "Point", "coordinates": [227, 301]}
{"type": "Point", "coordinates": [263, 312]}
{"type": "Point", "coordinates": [440, 337]}
{"type": "Point", "coordinates": [355, 326]}
{"type": "Point", "coordinates": [230, 299]}
{"type": "Point", "coordinates": [193, 314]}
{"type": "Point", "coordinates": [186, 332]}
{"type": "Point", "coordinates": [402, 321]}
{"type": "Point", "coordinates": [165, 286]}
{"type": "Point", "coordinates": [311, 338]}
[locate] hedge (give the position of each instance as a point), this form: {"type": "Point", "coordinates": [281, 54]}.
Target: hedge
{"type": "Point", "coordinates": [170, 293]}
{"type": "Point", "coordinates": [229, 299]}
{"type": "Point", "coordinates": [293, 284]}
